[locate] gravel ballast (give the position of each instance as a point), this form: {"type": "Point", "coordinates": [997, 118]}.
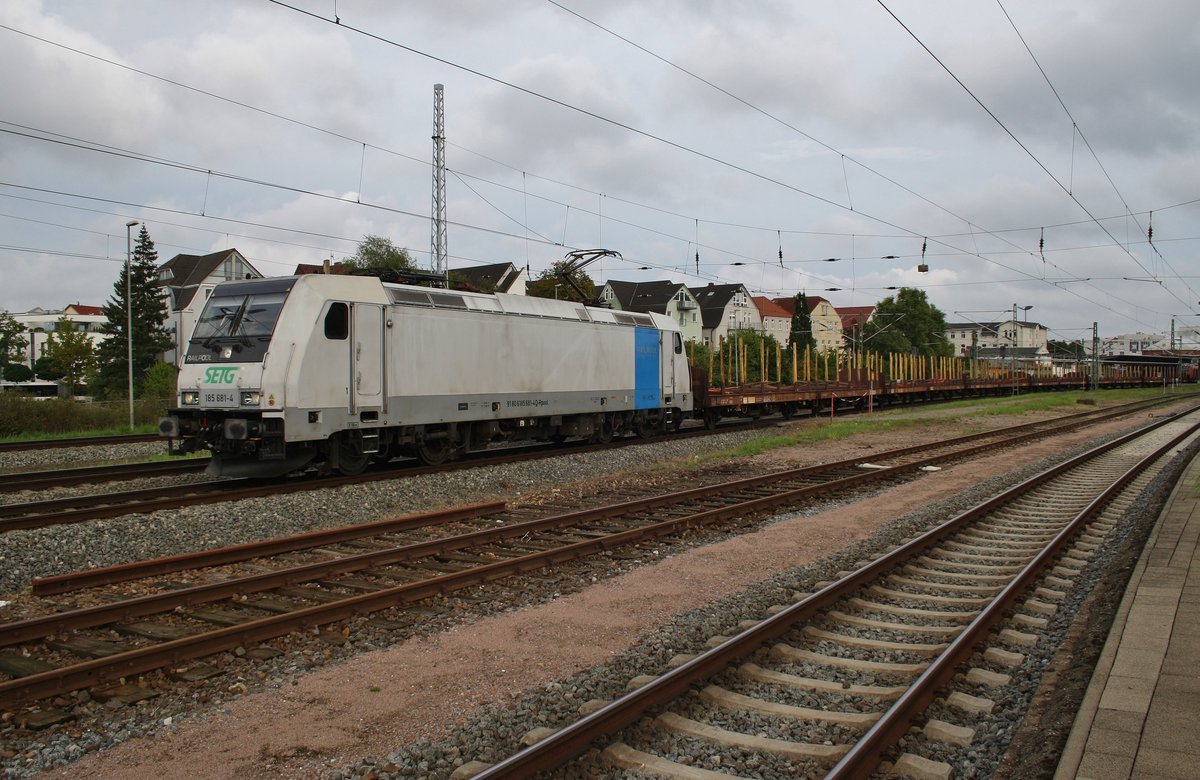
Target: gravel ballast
{"type": "Point", "coordinates": [488, 736]}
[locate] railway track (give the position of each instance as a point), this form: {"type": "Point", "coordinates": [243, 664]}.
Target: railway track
{"type": "Point", "coordinates": [830, 684]}
{"type": "Point", "coordinates": [87, 475]}
{"type": "Point", "coordinates": [325, 580]}
{"type": "Point", "coordinates": [76, 509]}
{"type": "Point", "coordinates": [79, 441]}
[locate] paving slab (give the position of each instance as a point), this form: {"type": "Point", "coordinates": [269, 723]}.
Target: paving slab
{"type": "Point", "coordinates": [1145, 691]}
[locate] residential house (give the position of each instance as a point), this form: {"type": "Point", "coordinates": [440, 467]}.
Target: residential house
{"type": "Point", "coordinates": [187, 281]}
{"type": "Point", "coordinates": [854, 322]}
{"type": "Point", "coordinates": [776, 322]}
{"type": "Point", "coordinates": [496, 277]}
{"type": "Point", "coordinates": [725, 308]}
{"type": "Point", "coordinates": [661, 297]}
{"type": "Point", "coordinates": [1134, 344]}
{"type": "Point", "coordinates": [40, 323]}
{"type": "Point", "coordinates": [826, 323]}
{"type": "Point", "coordinates": [996, 340]}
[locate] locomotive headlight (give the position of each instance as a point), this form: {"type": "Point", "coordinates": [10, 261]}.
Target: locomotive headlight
{"type": "Point", "coordinates": [251, 398]}
{"type": "Point", "coordinates": [189, 398]}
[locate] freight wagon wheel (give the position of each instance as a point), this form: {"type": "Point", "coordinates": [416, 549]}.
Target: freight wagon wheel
{"type": "Point", "coordinates": [711, 418]}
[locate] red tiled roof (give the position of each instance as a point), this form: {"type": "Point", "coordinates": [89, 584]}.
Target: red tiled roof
{"type": "Point", "coordinates": [769, 308]}
{"type": "Point", "coordinates": [79, 308]}
{"type": "Point", "coordinates": [854, 316]}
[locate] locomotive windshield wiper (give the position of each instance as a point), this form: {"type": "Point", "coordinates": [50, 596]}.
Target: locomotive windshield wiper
{"type": "Point", "coordinates": [236, 324]}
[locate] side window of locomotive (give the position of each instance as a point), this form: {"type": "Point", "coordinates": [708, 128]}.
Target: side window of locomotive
{"type": "Point", "coordinates": [678, 344]}
{"type": "Point", "coordinates": [337, 322]}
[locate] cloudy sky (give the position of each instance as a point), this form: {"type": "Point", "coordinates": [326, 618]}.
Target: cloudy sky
{"type": "Point", "coordinates": [1021, 149]}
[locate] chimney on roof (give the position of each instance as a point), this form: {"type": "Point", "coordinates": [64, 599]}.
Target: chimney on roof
{"type": "Point", "coordinates": [325, 266]}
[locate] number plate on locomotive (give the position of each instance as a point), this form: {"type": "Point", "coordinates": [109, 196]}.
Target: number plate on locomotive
{"type": "Point", "coordinates": [218, 398]}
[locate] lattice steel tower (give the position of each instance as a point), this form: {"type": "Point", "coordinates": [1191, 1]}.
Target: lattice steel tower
{"type": "Point", "coordinates": [437, 255]}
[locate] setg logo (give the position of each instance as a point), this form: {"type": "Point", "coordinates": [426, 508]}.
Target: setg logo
{"type": "Point", "coordinates": [219, 376]}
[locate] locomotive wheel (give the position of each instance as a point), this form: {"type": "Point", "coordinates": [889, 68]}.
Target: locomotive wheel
{"type": "Point", "coordinates": [605, 432]}
{"type": "Point", "coordinates": [645, 427]}
{"type": "Point", "coordinates": [351, 459]}
{"type": "Point", "coordinates": [434, 452]}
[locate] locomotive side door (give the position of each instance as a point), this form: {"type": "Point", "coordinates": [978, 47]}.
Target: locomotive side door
{"type": "Point", "coordinates": [671, 347]}
{"type": "Point", "coordinates": [366, 358]}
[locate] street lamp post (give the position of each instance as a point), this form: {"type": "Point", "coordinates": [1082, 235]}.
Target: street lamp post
{"type": "Point", "coordinates": [1014, 349]}
{"type": "Point", "coordinates": [129, 315]}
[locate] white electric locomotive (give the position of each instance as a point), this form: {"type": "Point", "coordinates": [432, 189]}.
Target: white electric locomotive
{"type": "Point", "coordinates": [334, 371]}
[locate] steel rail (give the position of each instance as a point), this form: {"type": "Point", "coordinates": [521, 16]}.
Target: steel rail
{"type": "Point", "coordinates": [90, 578]}
{"type": "Point", "coordinates": [79, 441]}
{"type": "Point", "coordinates": [78, 509]}
{"type": "Point", "coordinates": [38, 480]}
{"type": "Point", "coordinates": [64, 679]}
{"type": "Point", "coordinates": [867, 753]}
{"type": "Point", "coordinates": [89, 617]}
{"type": "Point", "coordinates": [29, 515]}
{"type": "Point", "coordinates": [574, 739]}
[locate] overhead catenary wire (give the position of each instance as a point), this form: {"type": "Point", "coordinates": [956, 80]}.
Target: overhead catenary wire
{"type": "Point", "coordinates": [1022, 145]}
{"type": "Point", "coordinates": [698, 247]}
{"type": "Point", "coordinates": [366, 144]}
{"type": "Point", "coordinates": [1075, 128]}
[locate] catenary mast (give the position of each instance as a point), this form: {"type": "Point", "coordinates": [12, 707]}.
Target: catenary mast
{"type": "Point", "coordinates": [437, 255]}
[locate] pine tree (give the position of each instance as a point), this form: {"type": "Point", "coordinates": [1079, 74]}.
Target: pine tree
{"type": "Point", "coordinates": [12, 341]}
{"type": "Point", "coordinates": [148, 312]}
{"type": "Point", "coordinates": [802, 330]}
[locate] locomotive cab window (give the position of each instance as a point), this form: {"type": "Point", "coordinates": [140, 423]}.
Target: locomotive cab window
{"type": "Point", "coordinates": [678, 344]}
{"type": "Point", "coordinates": [337, 322]}
{"type": "Point", "coordinates": [237, 321]}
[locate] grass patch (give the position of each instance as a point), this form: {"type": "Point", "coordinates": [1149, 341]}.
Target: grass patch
{"type": "Point", "coordinates": [889, 420]}
{"type": "Point", "coordinates": [813, 434]}
{"type": "Point", "coordinates": [23, 418]}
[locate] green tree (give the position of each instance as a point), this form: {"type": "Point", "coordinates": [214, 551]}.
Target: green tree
{"type": "Point", "coordinates": [743, 351]}
{"type": "Point", "coordinates": [12, 341]}
{"type": "Point", "coordinates": [550, 283]}
{"type": "Point", "coordinates": [801, 334]}
{"type": "Point", "coordinates": [148, 311]}
{"type": "Point", "coordinates": [907, 323]}
{"type": "Point", "coordinates": [160, 381]}
{"type": "Point", "coordinates": [17, 372]}
{"type": "Point", "coordinates": [376, 253]}
{"type": "Point", "coordinates": [70, 353]}
{"type": "Point", "coordinates": [45, 368]}
{"type": "Point", "coordinates": [1065, 349]}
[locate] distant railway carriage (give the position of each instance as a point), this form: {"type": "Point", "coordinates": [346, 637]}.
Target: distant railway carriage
{"type": "Point", "coordinates": [337, 370]}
